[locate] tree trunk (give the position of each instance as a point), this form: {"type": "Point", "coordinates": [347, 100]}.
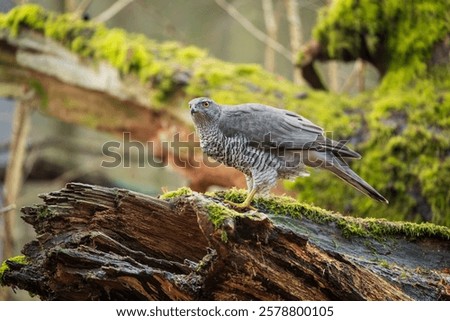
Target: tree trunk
{"type": "Point", "coordinates": [96, 243]}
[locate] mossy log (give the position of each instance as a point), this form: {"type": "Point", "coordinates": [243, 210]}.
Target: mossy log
{"type": "Point", "coordinates": [96, 243]}
{"type": "Point", "coordinates": [97, 93]}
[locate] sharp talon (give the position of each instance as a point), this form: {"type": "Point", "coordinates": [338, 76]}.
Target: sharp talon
{"type": "Point", "coordinates": [240, 206]}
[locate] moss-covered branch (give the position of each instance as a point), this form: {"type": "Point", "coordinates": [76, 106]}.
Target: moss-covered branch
{"type": "Point", "coordinates": [349, 226]}
{"type": "Point", "coordinates": [397, 37]}
{"type": "Point", "coordinates": [16, 260]}
{"type": "Point", "coordinates": [160, 67]}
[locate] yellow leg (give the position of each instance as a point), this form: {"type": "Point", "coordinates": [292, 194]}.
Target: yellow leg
{"type": "Point", "coordinates": [246, 203]}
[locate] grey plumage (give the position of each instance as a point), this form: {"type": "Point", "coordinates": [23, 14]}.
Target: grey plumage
{"type": "Point", "coordinates": [266, 143]}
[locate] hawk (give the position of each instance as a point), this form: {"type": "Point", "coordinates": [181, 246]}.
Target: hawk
{"type": "Point", "coordinates": [266, 144]}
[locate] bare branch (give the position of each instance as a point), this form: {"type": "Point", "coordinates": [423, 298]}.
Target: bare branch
{"type": "Point", "coordinates": [272, 28]}
{"type": "Point", "coordinates": [295, 32]}
{"type": "Point", "coordinates": [82, 7]}
{"type": "Point", "coordinates": [14, 175]}
{"type": "Point", "coordinates": [258, 34]}
{"type": "Point", "coordinates": [361, 75]}
{"type": "Point", "coordinates": [112, 11]}
{"type": "Point", "coordinates": [333, 72]}
{"type": "Point", "coordinates": [69, 5]}
{"type": "Point", "coordinates": [358, 68]}
{"type": "Point", "coordinates": [7, 208]}
{"type": "Point", "coordinates": [10, 90]}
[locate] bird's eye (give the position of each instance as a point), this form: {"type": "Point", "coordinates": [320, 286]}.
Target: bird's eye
{"type": "Point", "coordinates": [205, 104]}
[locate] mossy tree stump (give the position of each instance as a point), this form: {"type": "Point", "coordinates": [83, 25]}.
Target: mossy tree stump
{"type": "Point", "coordinates": [96, 243]}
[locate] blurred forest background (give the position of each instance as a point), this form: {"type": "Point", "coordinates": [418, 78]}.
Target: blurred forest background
{"type": "Point", "coordinates": [375, 73]}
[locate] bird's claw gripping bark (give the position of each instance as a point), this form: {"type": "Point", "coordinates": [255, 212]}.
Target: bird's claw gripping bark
{"type": "Point", "coordinates": [241, 206]}
{"type": "Point", "coordinates": [245, 204]}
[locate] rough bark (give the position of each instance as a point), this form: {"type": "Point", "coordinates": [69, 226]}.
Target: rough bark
{"type": "Point", "coordinates": [96, 243]}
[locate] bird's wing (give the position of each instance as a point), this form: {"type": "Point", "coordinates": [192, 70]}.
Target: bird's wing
{"type": "Point", "coordinates": [270, 126]}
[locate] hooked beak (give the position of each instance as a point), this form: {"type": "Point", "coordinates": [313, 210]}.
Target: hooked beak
{"type": "Point", "coordinates": [193, 109]}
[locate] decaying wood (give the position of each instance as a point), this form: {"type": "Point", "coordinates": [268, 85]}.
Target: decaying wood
{"type": "Point", "coordinates": [112, 244]}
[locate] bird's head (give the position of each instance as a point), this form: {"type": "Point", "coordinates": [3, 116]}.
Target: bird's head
{"type": "Point", "coordinates": [204, 110]}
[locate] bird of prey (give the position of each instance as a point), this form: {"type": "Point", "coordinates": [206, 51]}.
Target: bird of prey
{"type": "Point", "coordinates": [267, 143]}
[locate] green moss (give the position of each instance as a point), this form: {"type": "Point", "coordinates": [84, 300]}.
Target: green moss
{"type": "Point", "coordinates": [385, 264]}
{"type": "Point", "coordinates": [190, 54]}
{"type": "Point", "coordinates": [236, 83]}
{"type": "Point", "coordinates": [342, 25]}
{"type": "Point", "coordinates": [349, 226]}
{"type": "Point", "coordinates": [28, 16]}
{"type": "Point", "coordinates": [218, 214]}
{"type": "Point", "coordinates": [40, 92]}
{"type": "Point", "coordinates": [404, 156]}
{"type": "Point", "coordinates": [224, 236]}
{"type": "Point", "coordinates": [151, 62]}
{"type": "Point", "coordinates": [154, 63]}
{"type": "Point", "coordinates": [179, 192]}
{"type": "Point", "coordinates": [20, 259]}
{"type": "Point", "coordinates": [407, 30]}
{"type": "Point", "coordinates": [3, 268]}
{"type": "Point", "coordinates": [404, 275]}
{"type": "Point", "coordinates": [44, 212]}
{"type": "Point", "coordinates": [158, 63]}
{"type": "Point", "coordinates": [402, 127]}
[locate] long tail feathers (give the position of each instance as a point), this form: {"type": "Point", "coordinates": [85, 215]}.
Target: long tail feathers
{"type": "Point", "coordinates": [344, 172]}
{"type": "Point", "coordinates": [349, 176]}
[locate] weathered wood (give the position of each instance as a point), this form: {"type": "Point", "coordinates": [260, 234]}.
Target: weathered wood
{"type": "Point", "coordinates": [96, 243]}
{"type": "Point", "coordinates": [110, 102]}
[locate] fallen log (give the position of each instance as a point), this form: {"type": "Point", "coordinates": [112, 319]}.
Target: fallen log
{"type": "Point", "coordinates": [97, 243]}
